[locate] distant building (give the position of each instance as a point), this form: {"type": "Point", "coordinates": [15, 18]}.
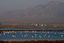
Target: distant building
{"type": "Point", "coordinates": [42, 25]}
{"type": "Point", "coordinates": [45, 24]}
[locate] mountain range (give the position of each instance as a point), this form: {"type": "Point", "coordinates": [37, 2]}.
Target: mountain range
{"type": "Point", "coordinates": [53, 12]}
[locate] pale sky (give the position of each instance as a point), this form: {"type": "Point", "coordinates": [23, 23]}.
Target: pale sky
{"type": "Point", "coordinates": [19, 4]}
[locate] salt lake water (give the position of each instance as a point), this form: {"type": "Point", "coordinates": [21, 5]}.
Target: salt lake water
{"type": "Point", "coordinates": [32, 35]}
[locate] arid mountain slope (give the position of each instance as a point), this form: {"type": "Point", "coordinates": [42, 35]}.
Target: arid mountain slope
{"type": "Point", "coordinates": [52, 12]}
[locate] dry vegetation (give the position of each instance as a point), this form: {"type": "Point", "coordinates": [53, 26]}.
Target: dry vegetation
{"type": "Point", "coordinates": [33, 26]}
{"type": "Point", "coordinates": [7, 26]}
{"type": "Point", "coordinates": [32, 42]}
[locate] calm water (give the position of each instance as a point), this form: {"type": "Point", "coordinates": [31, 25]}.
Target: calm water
{"type": "Point", "coordinates": [38, 35]}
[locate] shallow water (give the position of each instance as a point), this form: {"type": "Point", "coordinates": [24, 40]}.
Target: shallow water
{"type": "Point", "coordinates": [26, 35]}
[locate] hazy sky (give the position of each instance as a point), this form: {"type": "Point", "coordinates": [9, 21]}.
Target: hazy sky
{"type": "Point", "coordinates": [19, 4]}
